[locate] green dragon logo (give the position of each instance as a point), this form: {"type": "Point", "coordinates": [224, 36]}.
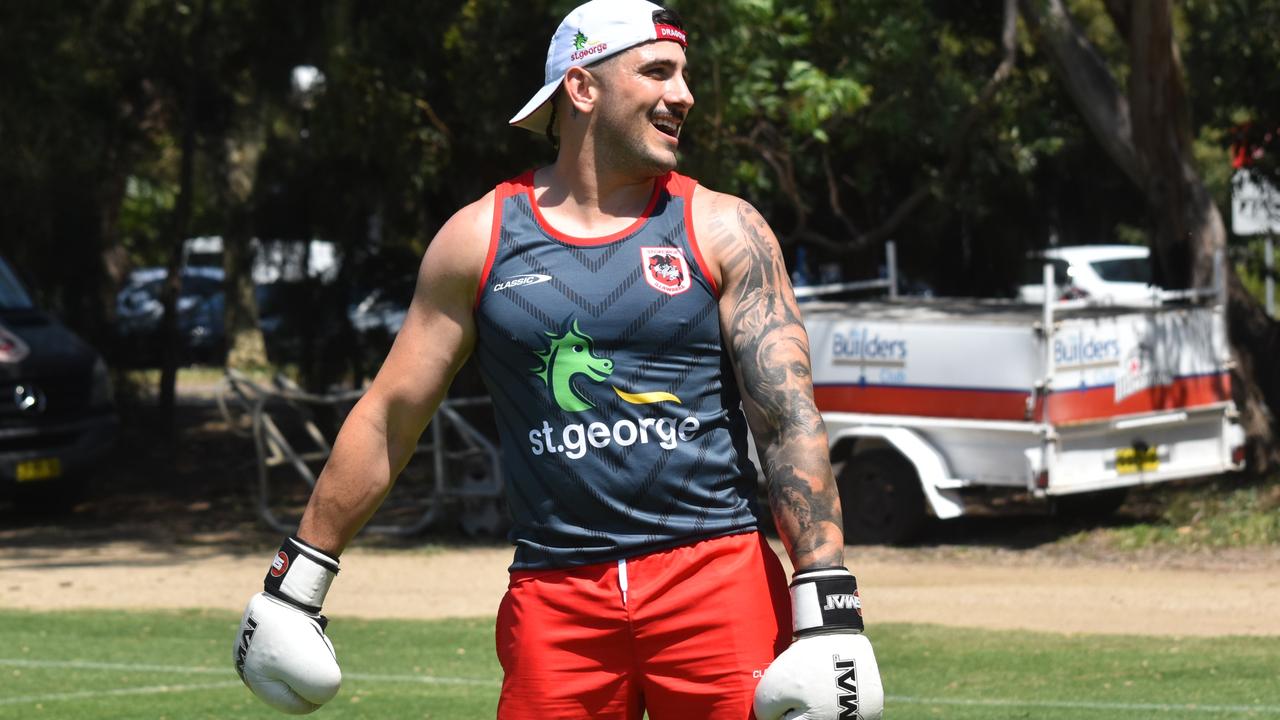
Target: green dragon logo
{"type": "Point", "coordinates": [570, 353]}
{"type": "Point", "coordinates": [579, 41]}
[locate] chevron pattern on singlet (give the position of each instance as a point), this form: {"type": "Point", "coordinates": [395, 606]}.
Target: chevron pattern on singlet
{"type": "Point", "coordinates": [619, 420]}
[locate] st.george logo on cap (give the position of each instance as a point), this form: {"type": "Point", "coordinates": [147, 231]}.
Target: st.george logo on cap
{"type": "Point", "coordinates": [590, 33]}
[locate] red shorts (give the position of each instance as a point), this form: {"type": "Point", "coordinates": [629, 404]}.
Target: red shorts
{"type": "Point", "coordinates": [682, 633]}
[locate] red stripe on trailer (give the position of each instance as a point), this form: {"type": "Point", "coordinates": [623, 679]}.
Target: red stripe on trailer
{"type": "Point", "coordinates": [1065, 406]}
{"type": "Point", "coordinates": [1072, 406]}
{"type": "Point", "coordinates": [923, 401]}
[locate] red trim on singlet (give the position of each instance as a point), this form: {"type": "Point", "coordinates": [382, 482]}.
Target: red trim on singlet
{"type": "Point", "coordinates": [500, 194]}
{"type": "Point", "coordinates": [684, 186]}
{"type": "Point", "coordinates": [527, 179]}
{"type": "Point", "coordinates": [674, 183]}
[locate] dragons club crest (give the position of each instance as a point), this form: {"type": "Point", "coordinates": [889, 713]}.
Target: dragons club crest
{"type": "Point", "coordinates": [665, 269]}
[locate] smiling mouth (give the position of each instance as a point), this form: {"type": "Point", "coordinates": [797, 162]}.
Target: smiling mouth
{"type": "Point", "coordinates": [668, 127]}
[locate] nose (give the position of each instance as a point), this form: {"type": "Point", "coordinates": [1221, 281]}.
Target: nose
{"type": "Point", "coordinates": [678, 95]}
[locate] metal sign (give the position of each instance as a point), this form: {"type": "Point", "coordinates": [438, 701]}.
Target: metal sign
{"type": "Point", "coordinates": [1255, 205]}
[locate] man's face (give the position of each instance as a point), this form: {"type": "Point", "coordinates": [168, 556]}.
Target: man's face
{"type": "Point", "coordinates": [645, 103]}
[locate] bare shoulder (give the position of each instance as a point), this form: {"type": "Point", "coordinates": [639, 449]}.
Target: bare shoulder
{"type": "Point", "coordinates": [714, 215]}
{"type": "Point", "coordinates": [732, 234]}
{"type": "Point", "coordinates": [459, 248]}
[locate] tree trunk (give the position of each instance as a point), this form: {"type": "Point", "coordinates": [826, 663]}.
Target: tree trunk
{"type": "Point", "coordinates": [1148, 135]}
{"type": "Point", "coordinates": [246, 348]}
{"type": "Point", "coordinates": [171, 342]}
{"type": "Point", "coordinates": [1187, 229]}
{"type": "Point", "coordinates": [1255, 381]}
{"type": "Point", "coordinates": [1088, 80]}
{"type": "Point", "coordinates": [180, 224]}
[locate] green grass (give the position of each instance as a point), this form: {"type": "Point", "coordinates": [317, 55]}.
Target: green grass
{"type": "Point", "coordinates": [1216, 515]}
{"type": "Point", "coordinates": [107, 665]}
{"type": "Point", "coordinates": [83, 665]}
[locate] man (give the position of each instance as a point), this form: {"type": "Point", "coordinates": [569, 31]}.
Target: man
{"type": "Point", "coordinates": [623, 318]}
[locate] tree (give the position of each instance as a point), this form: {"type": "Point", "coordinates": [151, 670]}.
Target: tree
{"type": "Point", "coordinates": [1147, 133]}
{"type": "Point", "coordinates": [848, 123]}
{"type": "Point", "coordinates": [77, 116]}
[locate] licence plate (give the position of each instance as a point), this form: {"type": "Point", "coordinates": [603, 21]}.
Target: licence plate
{"type": "Point", "coordinates": [1129, 460]}
{"type": "Point", "coordinates": [40, 469]}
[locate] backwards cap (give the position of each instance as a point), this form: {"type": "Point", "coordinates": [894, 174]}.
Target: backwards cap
{"type": "Point", "coordinates": [590, 33]}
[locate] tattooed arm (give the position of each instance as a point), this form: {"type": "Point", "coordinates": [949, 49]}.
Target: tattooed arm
{"type": "Point", "coordinates": [766, 340]}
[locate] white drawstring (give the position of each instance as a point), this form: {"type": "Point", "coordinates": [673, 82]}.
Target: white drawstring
{"type": "Point", "coordinates": [622, 579]}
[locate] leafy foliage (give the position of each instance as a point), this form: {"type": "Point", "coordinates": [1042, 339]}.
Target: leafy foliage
{"type": "Point", "coordinates": [1233, 50]}
{"type": "Point", "coordinates": [825, 114]}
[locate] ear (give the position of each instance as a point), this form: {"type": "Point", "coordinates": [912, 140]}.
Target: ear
{"type": "Point", "coordinates": [581, 89]}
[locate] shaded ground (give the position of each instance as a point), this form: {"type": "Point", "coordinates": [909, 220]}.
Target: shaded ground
{"type": "Point", "coordinates": [200, 490]}
{"type": "Point", "coordinates": [180, 530]}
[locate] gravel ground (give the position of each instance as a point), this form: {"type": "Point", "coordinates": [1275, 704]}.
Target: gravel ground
{"type": "Point", "coordinates": [177, 529]}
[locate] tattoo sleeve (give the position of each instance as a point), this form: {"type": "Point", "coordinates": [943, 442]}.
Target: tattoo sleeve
{"type": "Point", "coordinates": [761, 324]}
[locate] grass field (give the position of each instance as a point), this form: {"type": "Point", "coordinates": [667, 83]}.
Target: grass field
{"type": "Point", "coordinates": [176, 666]}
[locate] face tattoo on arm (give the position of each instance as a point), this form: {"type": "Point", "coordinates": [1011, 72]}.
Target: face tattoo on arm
{"type": "Point", "coordinates": [770, 349]}
{"type": "Point", "coordinates": [830, 670]}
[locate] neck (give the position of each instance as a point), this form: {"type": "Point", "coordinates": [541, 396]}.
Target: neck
{"type": "Point", "coordinates": [586, 196]}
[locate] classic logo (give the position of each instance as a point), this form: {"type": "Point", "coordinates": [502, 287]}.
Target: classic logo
{"type": "Point", "coordinates": [665, 269]}
{"type": "Point", "coordinates": [280, 564]}
{"type": "Point", "coordinates": [516, 281]}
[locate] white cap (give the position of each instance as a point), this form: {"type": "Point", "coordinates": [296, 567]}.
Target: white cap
{"type": "Point", "coordinates": [592, 32]}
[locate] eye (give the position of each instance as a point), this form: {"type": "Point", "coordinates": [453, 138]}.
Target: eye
{"type": "Point", "coordinates": [577, 348]}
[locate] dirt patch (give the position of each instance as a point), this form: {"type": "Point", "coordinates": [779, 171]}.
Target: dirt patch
{"type": "Point", "coordinates": [988, 589]}
{"type": "Point", "coordinates": [178, 530]}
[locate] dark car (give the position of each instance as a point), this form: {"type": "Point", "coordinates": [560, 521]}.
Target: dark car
{"type": "Point", "coordinates": [287, 312]}
{"type": "Point", "coordinates": [139, 313]}
{"type": "Point", "coordinates": [57, 416]}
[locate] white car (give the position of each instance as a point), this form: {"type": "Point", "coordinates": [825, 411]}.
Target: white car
{"type": "Point", "coordinates": [1105, 273]}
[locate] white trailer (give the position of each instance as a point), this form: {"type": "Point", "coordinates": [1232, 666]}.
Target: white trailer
{"type": "Point", "coordinates": [933, 403]}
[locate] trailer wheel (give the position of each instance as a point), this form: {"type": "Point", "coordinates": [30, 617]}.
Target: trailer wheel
{"type": "Point", "coordinates": [881, 499]}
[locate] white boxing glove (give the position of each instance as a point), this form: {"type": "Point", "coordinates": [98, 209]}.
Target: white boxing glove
{"type": "Point", "coordinates": [281, 652]}
{"type": "Point", "coordinates": [830, 671]}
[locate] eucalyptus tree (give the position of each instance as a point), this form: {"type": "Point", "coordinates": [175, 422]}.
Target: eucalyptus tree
{"type": "Point", "coordinates": [1137, 103]}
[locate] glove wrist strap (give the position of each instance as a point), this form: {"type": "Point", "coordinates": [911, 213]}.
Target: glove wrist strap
{"type": "Point", "coordinates": [825, 600]}
{"type": "Point", "coordinates": [300, 575]}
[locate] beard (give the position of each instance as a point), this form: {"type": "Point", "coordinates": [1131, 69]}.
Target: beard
{"type": "Point", "coordinates": [625, 144]}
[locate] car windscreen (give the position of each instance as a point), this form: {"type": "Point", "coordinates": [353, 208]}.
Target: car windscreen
{"type": "Point", "coordinates": [12, 295]}
{"type": "Point", "coordinates": [1134, 270]}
